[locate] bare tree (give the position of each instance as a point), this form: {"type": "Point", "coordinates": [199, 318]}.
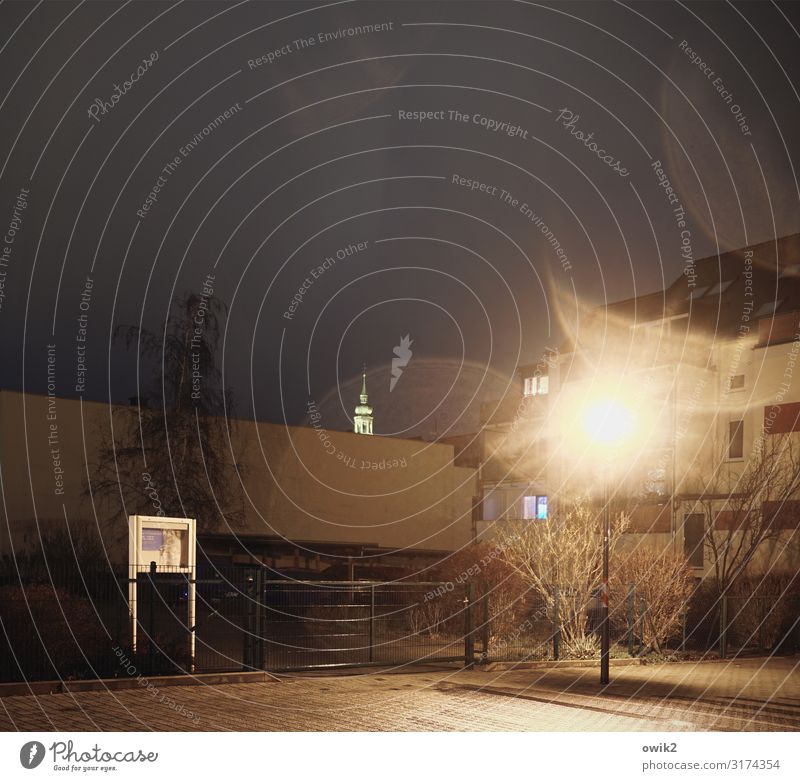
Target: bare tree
{"type": "Point", "coordinates": [561, 560]}
{"type": "Point", "coordinates": [745, 504]}
{"type": "Point", "coordinates": [663, 583]}
{"type": "Point", "coordinates": [175, 457]}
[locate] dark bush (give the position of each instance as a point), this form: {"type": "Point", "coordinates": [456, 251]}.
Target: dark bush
{"type": "Point", "coordinates": [40, 621]}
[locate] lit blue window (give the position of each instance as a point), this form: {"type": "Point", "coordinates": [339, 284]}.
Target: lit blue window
{"type": "Point", "coordinates": [541, 508]}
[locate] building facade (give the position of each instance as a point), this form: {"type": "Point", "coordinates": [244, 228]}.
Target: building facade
{"type": "Point", "coordinates": [707, 371]}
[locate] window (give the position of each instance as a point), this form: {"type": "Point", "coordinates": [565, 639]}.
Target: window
{"type": "Point", "coordinates": [694, 529]}
{"type": "Point", "coordinates": [698, 292]}
{"type": "Point", "coordinates": [534, 508]}
{"type": "Point", "coordinates": [720, 287]}
{"type": "Point", "coordinates": [528, 507]}
{"type": "Point", "coordinates": [536, 386]}
{"type": "Point", "coordinates": [736, 439]}
{"type": "Point", "coordinates": [492, 505]}
{"type": "Point", "coordinates": [737, 382]}
{"type": "Point", "coordinates": [655, 482]}
{"type": "Point", "coordinates": [544, 385]}
{"type": "Point", "coordinates": [512, 501]}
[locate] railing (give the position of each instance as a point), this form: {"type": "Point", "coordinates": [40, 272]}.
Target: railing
{"type": "Point", "coordinates": [67, 624]}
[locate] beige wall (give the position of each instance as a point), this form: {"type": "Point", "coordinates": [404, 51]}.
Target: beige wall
{"type": "Point", "coordinates": [343, 487]}
{"type": "Point", "coordinates": [301, 483]}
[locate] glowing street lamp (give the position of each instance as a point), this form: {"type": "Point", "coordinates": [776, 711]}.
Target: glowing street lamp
{"type": "Point", "coordinates": [607, 421]}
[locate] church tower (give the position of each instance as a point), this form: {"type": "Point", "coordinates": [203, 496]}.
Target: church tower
{"type": "Point", "coordinates": [362, 420]}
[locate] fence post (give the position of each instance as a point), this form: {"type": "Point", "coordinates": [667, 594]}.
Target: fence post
{"type": "Point", "coordinates": [684, 617]}
{"type": "Point", "coordinates": [260, 618]}
{"type": "Point", "coordinates": [723, 627]}
{"type": "Point", "coordinates": [485, 622]}
{"type": "Point", "coordinates": [191, 597]}
{"type": "Point", "coordinates": [631, 601]}
{"type": "Point", "coordinates": [151, 618]}
{"type": "Point", "coordinates": [556, 621]}
{"type": "Point", "coordinates": [469, 640]}
{"type": "Point", "coordinates": [248, 635]}
{"type": "Point", "coordinates": [642, 616]}
{"type": "Point", "coordinates": [372, 623]}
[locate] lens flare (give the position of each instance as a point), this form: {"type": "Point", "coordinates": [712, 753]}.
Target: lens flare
{"type": "Point", "coordinates": [607, 421]}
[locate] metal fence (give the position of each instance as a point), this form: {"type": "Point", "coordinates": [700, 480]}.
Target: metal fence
{"type": "Point", "coordinates": [68, 624]}
{"type": "Point", "coordinates": [335, 624]}
{"type": "Point", "coordinates": [520, 629]}
{"type": "Point", "coordinates": [61, 625]}
{"type": "Point", "coordinates": [248, 621]}
{"type": "Point", "coordinates": [531, 629]}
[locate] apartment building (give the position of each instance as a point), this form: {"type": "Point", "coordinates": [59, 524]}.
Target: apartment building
{"type": "Point", "coordinates": [706, 372]}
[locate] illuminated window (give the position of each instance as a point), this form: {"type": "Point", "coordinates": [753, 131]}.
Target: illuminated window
{"type": "Point", "coordinates": [736, 439]}
{"type": "Point", "coordinates": [536, 386]}
{"type": "Point", "coordinates": [544, 384]}
{"type": "Point", "coordinates": [541, 508]}
{"type": "Point", "coordinates": [529, 508]}
{"type": "Point", "coordinates": [534, 508]}
{"type": "Point", "coordinates": [511, 502]}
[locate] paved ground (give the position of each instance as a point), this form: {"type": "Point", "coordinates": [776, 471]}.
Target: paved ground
{"type": "Point", "coordinates": [746, 695]}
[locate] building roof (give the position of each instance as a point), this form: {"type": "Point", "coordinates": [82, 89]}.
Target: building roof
{"type": "Point", "coordinates": [721, 292]}
{"type": "Point", "coordinates": [720, 296]}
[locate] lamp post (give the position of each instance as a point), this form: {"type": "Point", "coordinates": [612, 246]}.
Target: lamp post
{"type": "Point", "coordinates": [607, 422]}
{"type": "Point", "coordinates": [605, 634]}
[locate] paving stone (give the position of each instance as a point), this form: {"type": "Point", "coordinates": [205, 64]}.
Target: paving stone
{"type": "Point", "coordinates": [743, 695]}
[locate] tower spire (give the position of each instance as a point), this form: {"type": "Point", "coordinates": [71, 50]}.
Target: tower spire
{"type": "Point", "coordinates": [362, 420]}
{"type": "Point", "coordinates": [364, 383]}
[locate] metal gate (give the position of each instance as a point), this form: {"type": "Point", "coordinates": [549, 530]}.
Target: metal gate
{"type": "Point", "coordinates": [248, 622]}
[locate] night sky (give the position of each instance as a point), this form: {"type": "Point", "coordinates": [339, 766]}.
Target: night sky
{"type": "Point", "coordinates": [486, 171]}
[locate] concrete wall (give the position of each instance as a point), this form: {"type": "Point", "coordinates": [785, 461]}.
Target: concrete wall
{"type": "Point", "coordinates": [301, 483]}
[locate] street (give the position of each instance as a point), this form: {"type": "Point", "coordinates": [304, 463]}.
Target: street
{"type": "Point", "coordinates": [750, 695]}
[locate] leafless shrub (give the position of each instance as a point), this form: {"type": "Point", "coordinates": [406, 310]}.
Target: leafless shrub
{"type": "Point", "coordinates": [561, 561]}
{"type": "Point", "coordinates": [663, 584]}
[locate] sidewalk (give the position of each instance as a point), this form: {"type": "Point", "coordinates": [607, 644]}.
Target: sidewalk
{"type": "Point", "coordinates": [761, 693]}
{"type": "Point", "coordinates": [752, 694]}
